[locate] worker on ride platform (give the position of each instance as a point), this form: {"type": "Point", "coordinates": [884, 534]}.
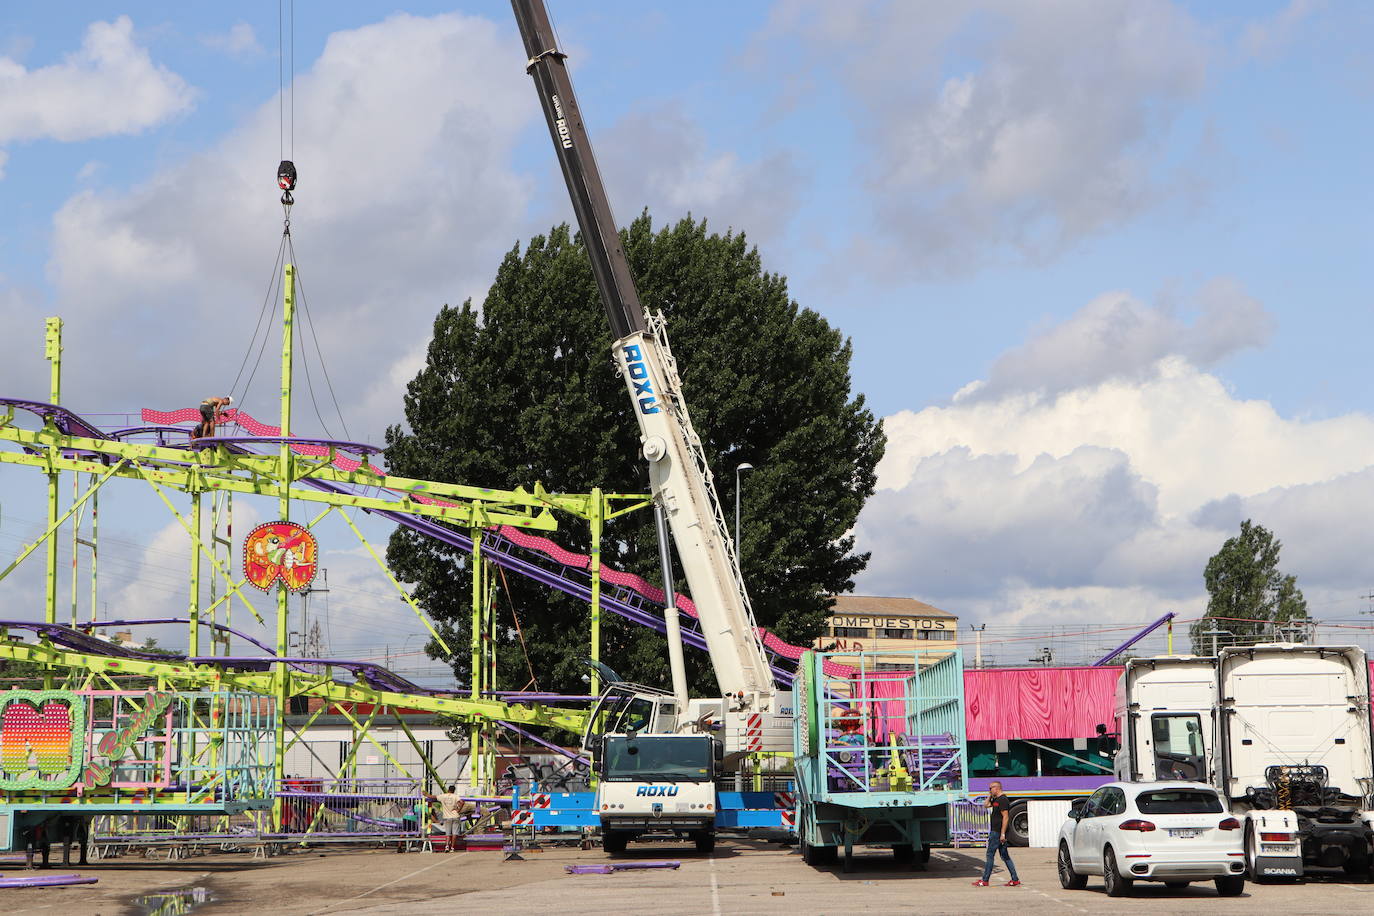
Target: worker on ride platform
{"type": "Point", "coordinates": [452, 807]}
{"type": "Point", "coordinates": [211, 414]}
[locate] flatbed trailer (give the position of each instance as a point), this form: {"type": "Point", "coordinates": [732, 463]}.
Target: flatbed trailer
{"type": "Point", "coordinates": [879, 756]}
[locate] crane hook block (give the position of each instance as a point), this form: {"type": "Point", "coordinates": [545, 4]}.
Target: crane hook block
{"type": "Point", "coordinates": [286, 180]}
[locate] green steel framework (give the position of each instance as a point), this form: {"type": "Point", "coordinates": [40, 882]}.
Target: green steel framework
{"type": "Point", "coordinates": [222, 472]}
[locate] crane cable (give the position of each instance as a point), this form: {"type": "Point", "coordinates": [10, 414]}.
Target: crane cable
{"type": "Point", "coordinates": [287, 177]}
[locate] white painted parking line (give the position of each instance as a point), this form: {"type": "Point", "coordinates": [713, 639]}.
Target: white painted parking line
{"type": "Point", "coordinates": [446, 859]}
{"type": "Point", "coordinates": [1063, 903]}
{"type": "Point", "coordinates": [715, 889]}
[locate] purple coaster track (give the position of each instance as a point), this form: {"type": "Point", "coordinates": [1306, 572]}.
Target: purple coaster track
{"type": "Point", "coordinates": [505, 553]}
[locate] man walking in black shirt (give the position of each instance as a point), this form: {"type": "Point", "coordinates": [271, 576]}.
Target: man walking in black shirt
{"type": "Point", "coordinates": [999, 813]}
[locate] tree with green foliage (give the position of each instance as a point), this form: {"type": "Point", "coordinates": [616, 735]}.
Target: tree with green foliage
{"type": "Point", "coordinates": [1247, 593]}
{"type": "Point", "coordinates": [524, 389]}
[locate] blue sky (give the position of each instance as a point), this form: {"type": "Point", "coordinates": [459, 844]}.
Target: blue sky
{"type": "Point", "coordinates": [1072, 213]}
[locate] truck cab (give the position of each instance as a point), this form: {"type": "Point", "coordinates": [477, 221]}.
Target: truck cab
{"type": "Point", "coordinates": [656, 784]}
{"type": "Point", "coordinates": [1164, 714]}
{"type": "Point", "coordinates": [1295, 755]}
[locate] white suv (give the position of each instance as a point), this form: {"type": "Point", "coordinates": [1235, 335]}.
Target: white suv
{"type": "Point", "coordinates": [1175, 832]}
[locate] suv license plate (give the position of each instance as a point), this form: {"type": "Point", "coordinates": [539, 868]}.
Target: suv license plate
{"type": "Point", "coordinates": [1184, 831]}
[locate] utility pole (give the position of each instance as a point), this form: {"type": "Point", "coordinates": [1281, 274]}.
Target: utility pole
{"type": "Point", "coordinates": [312, 643]}
{"type": "Point", "coordinates": [978, 650]}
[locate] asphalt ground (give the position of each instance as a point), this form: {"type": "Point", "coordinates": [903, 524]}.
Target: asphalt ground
{"type": "Point", "coordinates": [741, 877]}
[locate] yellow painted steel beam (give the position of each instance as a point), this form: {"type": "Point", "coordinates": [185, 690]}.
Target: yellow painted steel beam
{"type": "Point", "coordinates": [405, 596]}
{"type": "Point", "coordinates": [184, 479]}
{"type": "Point", "coordinates": [302, 684]}
{"type": "Point", "coordinates": [269, 466]}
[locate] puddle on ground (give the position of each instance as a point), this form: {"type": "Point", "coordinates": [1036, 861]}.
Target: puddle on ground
{"type": "Point", "coordinates": [172, 903]}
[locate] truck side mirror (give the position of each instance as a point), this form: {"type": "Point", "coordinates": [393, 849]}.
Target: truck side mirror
{"type": "Point", "coordinates": [718, 749]}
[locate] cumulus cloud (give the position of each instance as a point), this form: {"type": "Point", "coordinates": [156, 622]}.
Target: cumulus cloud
{"type": "Point", "coordinates": [1088, 493]}
{"type": "Point", "coordinates": [659, 158]}
{"type": "Point", "coordinates": [962, 520]}
{"type": "Point", "coordinates": [994, 124]}
{"type": "Point", "coordinates": [239, 41]}
{"type": "Point", "coordinates": [109, 86]}
{"type": "Point", "coordinates": [404, 132]}
{"type": "Point", "coordinates": [1118, 336]}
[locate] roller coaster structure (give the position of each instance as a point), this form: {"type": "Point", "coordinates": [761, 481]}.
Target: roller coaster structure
{"type": "Point", "coordinates": [227, 702]}
{"type": "Point", "coordinates": [212, 692]}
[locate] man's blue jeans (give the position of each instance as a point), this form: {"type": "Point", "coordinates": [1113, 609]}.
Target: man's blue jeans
{"type": "Point", "coordinates": [995, 843]}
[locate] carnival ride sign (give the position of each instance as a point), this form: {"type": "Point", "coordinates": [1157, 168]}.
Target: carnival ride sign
{"type": "Point", "coordinates": [116, 744]}
{"type": "Point", "coordinates": [282, 552]}
{"type": "Point", "coordinates": [42, 739]}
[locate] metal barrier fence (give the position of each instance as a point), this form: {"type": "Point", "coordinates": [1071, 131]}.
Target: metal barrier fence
{"type": "Point", "coordinates": [363, 808]}
{"type": "Point", "coordinates": [968, 823]}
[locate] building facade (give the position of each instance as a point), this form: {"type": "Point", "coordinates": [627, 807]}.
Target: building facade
{"type": "Point", "coordinates": [894, 629]}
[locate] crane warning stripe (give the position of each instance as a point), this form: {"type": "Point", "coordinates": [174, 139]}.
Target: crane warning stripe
{"type": "Point", "coordinates": [754, 732]}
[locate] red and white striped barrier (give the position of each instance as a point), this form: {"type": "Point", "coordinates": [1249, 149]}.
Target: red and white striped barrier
{"type": "Point", "coordinates": [753, 732]}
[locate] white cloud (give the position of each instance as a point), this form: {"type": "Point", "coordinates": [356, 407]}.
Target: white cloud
{"type": "Point", "coordinates": [658, 157]}
{"type": "Point", "coordinates": [239, 41]}
{"type": "Point", "coordinates": [962, 520]}
{"type": "Point", "coordinates": [1098, 496]}
{"type": "Point", "coordinates": [110, 86]}
{"type": "Point", "coordinates": [404, 132]}
{"type": "Point", "coordinates": [996, 124]}
{"type": "Point", "coordinates": [1184, 431]}
{"type": "Point", "coordinates": [1118, 336]}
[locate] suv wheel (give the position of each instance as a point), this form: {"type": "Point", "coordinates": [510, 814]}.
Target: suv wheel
{"type": "Point", "coordinates": [1230, 886]}
{"type": "Point", "coordinates": [1117, 886]}
{"type": "Point", "coordinates": [1069, 879]}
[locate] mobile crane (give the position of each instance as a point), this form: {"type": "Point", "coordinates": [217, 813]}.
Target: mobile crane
{"type": "Point", "coordinates": [657, 752]}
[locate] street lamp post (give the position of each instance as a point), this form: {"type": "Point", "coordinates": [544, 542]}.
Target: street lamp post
{"type": "Point", "coordinates": [739, 561]}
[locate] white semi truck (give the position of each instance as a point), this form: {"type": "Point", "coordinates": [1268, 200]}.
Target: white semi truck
{"type": "Point", "coordinates": [1282, 730]}
{"type": "Point", "coordinates": [750, 715]}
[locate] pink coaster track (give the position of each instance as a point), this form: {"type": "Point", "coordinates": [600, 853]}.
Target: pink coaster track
{"type": "Point", "coordinates": [543, 545]}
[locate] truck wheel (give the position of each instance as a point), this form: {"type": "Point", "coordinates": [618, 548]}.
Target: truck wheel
{"type": "Point", "coordinates": [1112, 879]}
{"type": "Point", "coordinates": [923, 855]}
{"type": "Point", "coordinates": [818, 856]}
{"type": "Point", "coordinates": [1018, 825]}
{"type": "Point", "coordinates": [1252, 857]}
{"type": "Point", "coordinates": [705, 840]}
{"type": "Point", "coordinates": [904, 853]}
{"type": "Point", "coordinates": [1069, 879]}
{"type": "Point", "coordinates": [1230, 886]}
{"type": "Point", "coordinates": [614, 842]}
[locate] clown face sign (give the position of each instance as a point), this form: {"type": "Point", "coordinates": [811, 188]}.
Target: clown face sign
{"type": "Point", "coordinates": [280, 552]}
